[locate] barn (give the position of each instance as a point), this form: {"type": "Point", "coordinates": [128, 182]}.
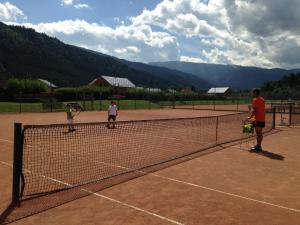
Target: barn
{"type": "Point", "coordinates": [116, 82]}
{"type": "Point", "coordinates": [220, 91]}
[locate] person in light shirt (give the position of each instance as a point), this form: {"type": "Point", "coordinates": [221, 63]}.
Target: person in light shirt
{"type": "Point", "coordinates": [112, 114]}
{"type": "Point", "coordinates": [70, 118]}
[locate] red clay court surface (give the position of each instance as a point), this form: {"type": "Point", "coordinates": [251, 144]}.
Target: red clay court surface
{"type": "Point", "coordinates": [230, 186]}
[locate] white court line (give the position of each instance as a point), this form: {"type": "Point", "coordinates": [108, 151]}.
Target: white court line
{"type": "Point", "coordinates": [108, 198]}
{"type": "Point", "coordinates": [230, 194]}
{"type": "Point", "coordinates": [6, 164]}
{"type": "Point", "coordinates": [136, 208]}
{"type": "Point", "coordinates": [210, 189]}
{"type": "Point", "coordinates": [4, 140]}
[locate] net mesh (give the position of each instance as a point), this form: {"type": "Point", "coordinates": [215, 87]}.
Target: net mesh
{"type": "Point", "coordinates": [60, 166]}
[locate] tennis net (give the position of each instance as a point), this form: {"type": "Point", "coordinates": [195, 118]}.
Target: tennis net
{"type": "Point", "coordinates": [59, 166]}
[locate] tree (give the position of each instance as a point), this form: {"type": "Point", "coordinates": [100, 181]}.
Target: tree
{"type": "Point", "coordinates": [15, 86]}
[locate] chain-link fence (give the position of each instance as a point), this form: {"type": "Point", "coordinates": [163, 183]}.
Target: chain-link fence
{"type": "Point", "coordinates": [92, 99]}
{"type": "Point", "coordinates": [287, 113]}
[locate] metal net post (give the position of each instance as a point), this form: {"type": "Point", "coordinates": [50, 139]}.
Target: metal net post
{"type": "Point", "coordinates": [17, 163]}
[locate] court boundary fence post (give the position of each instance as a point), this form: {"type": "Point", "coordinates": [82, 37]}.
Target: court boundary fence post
{"type": "Point", "coordinates": [100, 101]}
{"type": "Point", "coordinates": [274, 117]}
{"type": "Point", "coordinates": [20, 101]}
{"type": "Point", "coordinates": [217, 128]}
{"type": "Point", "coordinates": [291, 114]}
{"type": "Point", "coordinates": [17, 163]}
{"type": "Point", "coordinates": [135, 98]}
{"type": "Point", "coordinates": [92, 101]}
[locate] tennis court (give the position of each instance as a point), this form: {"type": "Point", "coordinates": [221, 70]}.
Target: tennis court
{"type": "Point", "coordinates": [219, 185]}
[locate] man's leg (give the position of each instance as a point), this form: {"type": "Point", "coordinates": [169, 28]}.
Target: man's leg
{"type": "Point", "coordinates": [114, 120]}
{"type": "Point", "coordinates": [259, 136]}
{"type": "Point", "coordinates": [108, 122]}
{"type": "Point", "coordinates": [72, 125]}
{"type": "Point", "coordinates": [69, 124]}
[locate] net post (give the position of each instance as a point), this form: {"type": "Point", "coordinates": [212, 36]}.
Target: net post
{"type": "Point", "coordinates": [17, 163]}
{"type": "Point", "coordinates": [274, 117]}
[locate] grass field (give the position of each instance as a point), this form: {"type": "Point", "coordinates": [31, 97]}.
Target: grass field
{"type": "Point", "coordinates": [17, 107]}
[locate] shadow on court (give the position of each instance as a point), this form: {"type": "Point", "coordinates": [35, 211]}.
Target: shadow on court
{"type": "Point", "coordinates": [6, 213]}
{"type": "Point", "coordinates": [270, 155]}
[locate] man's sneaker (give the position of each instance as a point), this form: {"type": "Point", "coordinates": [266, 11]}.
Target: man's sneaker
{"type": "Point", "coordinates": [256, 148]}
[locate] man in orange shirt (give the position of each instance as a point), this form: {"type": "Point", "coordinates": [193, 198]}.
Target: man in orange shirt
{"type": "Point", "coordinates": [258, 117]}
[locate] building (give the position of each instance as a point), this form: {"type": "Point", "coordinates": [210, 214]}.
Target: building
{"type": "Point", "coordinates": [153, 90]}
{"type": "Point", "coordinates": [108, 81]}
{"type": "Point", "coordinates": [220, 91]}
{"type": "Point", "coordinates": [170, 90]}
{"type": "Point", "coordinates": [48, 83]}
{"type": "Point", "coordinates": [186, 90]}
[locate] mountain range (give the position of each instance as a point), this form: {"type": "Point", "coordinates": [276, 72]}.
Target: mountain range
{"type": "Point", "coordinates": [237, 77]}
{"type": "Point", "coordinates": [25, 53]}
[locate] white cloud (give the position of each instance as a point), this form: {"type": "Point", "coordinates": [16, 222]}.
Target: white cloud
{"type": "Point", "coordinates": [67, 2]}
{"type": "Point", "coordinates": [10, 13]}
{"type": "Point", "coordinates": [233, 31]}
{"type": "Point", "coordinates": [191, 59]}
{"type": "Point", "coordinates": [72, 3]}
{"type": "Point", "coordinates": [80, 6]}
{"type": "Point", "coordinates": [127, 50]}
{"type": "Point", "coordinates": [137, 43]}
{"type": "Point", "coordinates": [133, 49]}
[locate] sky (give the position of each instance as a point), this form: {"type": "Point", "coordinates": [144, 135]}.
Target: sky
{"type": "Point", "coordinates": [262, 33]}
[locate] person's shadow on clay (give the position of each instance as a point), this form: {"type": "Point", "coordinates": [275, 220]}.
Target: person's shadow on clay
{"type": "Point", "coordinates": [268, 154]}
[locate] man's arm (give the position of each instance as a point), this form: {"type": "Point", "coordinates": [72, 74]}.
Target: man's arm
{"type": "Point", "coordinates": [108, 110]}
{"type": "Point", "coordinates": [72, 114]}
{"type": "Point", "coordinates": [253, 111]}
